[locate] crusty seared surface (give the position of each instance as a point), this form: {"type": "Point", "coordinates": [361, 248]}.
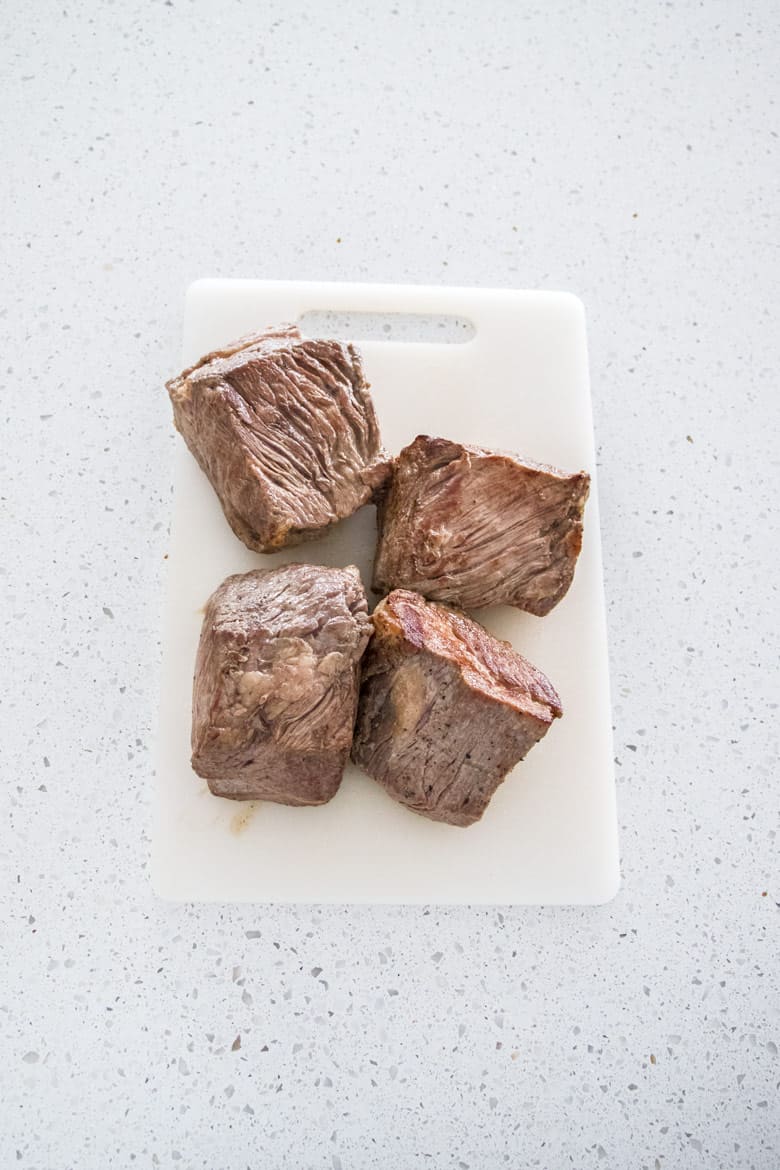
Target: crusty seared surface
{"type": "Point", "coordinates": [446, 709]}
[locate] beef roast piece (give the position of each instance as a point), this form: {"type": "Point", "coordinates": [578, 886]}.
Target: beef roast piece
{"type": "Point", "coordinates": [276, 683]}
{"type": "Point", "coordinates": [446, 709]}
{"type": "Point", "coordinates": [475, 527]}
{"type": "Point", "coordinates": [286, 432]}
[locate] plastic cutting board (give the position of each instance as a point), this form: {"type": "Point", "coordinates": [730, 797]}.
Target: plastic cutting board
{"type": "Point", "coordinates": [549, 834]}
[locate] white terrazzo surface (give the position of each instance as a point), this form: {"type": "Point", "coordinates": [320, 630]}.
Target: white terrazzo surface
{"type": "Point", "coordinates": [626, 152]}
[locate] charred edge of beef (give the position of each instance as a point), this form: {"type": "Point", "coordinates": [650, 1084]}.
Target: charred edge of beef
{"type": "Point", "coordinates": [285, 430]}
{"type": "Point", "coordinates": [446, 710]}
{"type": "Point", "coordinates": [475, 527]}
{"type": "Point", "coordinates": [276, 683]}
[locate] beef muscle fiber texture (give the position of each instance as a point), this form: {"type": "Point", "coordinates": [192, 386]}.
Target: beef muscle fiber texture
{"type": "Point", "coordinates": [285, 430]}
{"type": "Point", "coordinates": [276, 683]}
{"type": "Point", "coordinates": [475, 527]}
{"type": "Point", "coordinates": [446, 710]}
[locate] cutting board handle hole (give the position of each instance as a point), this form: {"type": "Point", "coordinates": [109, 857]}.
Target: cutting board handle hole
{"type": "Point", "coordinates": [439, 328]}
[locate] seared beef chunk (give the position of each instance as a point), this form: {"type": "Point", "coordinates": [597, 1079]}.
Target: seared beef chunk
{"type": "Point", "coordinates": [446, 709]}
{"type": "Point", "coordinates": [286, 432]}
{"type": "Point", "coordinates": [476, 527]}
{"type": "Point", "coordinates": [276, 683]}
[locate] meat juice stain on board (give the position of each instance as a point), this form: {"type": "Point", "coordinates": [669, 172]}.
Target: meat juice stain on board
{"type": "Point", "coordinates": [240, 820]}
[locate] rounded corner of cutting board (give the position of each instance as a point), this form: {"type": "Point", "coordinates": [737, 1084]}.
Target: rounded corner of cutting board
{"type": "Point", "coordinates": [163, 887]}
{"type": "Point", "coordinates": [608, 890]}
{"type": "Point", "coordinates": [200, 289]}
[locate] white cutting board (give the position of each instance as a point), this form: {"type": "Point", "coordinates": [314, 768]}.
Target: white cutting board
{"type": "Point", "coordinates": [549, 834]}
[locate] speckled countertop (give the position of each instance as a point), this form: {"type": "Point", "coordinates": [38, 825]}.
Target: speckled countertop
{"type": "Point", "coordinates": [628, 153]}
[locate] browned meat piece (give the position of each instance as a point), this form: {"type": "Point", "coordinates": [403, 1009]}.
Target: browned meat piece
{"type": "Point", "coordinates": [446, 709]}
{"type": "Point", "coordinates": [286, 432]}
{"type": "Point", "coordinates": [276, 683]}
{"type": "Point", "coordinates": [474, 527]}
